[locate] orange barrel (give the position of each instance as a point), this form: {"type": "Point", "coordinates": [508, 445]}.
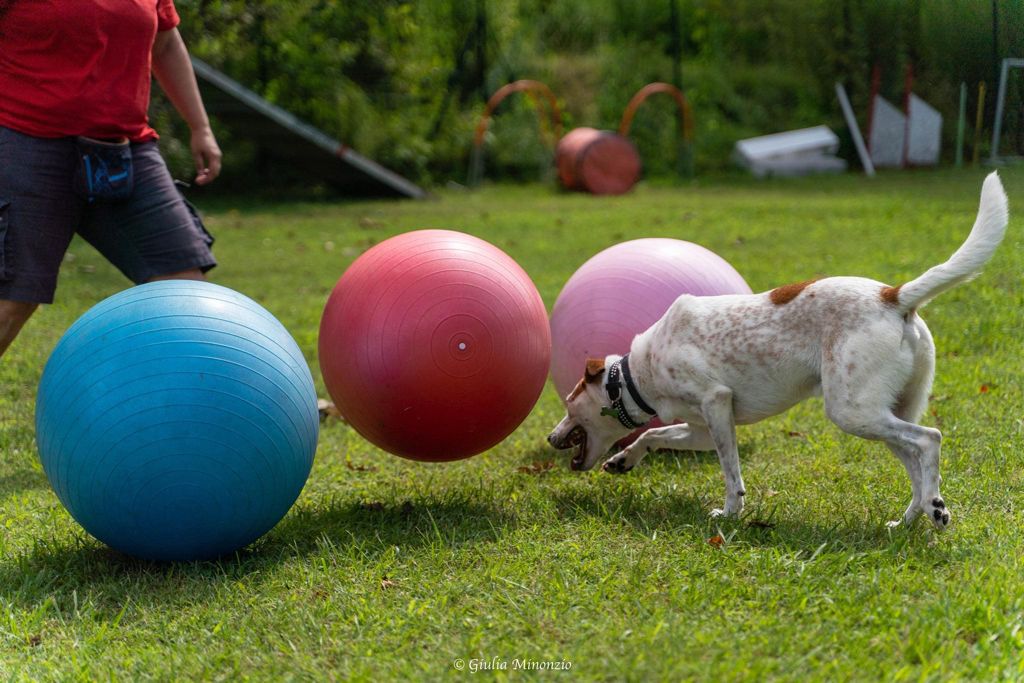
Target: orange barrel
{"type": "Point", "coordinates": [597, 161]}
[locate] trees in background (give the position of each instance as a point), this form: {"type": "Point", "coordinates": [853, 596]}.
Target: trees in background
{"type": "Point", "coordinates": [403, 81]}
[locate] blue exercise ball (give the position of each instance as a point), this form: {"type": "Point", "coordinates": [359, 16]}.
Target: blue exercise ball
{"type": "Point", "coordinates": [177, 420]}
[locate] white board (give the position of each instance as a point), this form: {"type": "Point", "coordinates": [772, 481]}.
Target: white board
{"type": "Point", "coordinates": [925, 127]}
{"type": "Point", "coordinates": [818, 139]}
{"type": "Point", "coordinates": [797, 165]}
{"type": "Point", "coordinates": [888, 134]}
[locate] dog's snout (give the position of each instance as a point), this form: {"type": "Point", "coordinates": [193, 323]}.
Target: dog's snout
{"type": "Point", "coordinates": [558, 441]}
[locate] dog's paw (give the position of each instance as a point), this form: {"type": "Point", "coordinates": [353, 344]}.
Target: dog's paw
{"type": "Point", "coordinates": [617, 464]}
{"type": "Point", "coordinates": [733, 505]}
{"type": "Point", "coordinates": [938, 513]}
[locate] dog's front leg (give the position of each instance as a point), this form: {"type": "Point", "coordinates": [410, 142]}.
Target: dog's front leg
{"type": "Point", "coordinates": [717, 411]}
{"type": "Point", "coordinates": [677, 437]}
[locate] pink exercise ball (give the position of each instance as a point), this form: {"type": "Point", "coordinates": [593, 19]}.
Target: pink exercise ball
{"type": "Point", "coordinates": [622, 291]}
{"type": "Point", "coordinates": [434, 345]}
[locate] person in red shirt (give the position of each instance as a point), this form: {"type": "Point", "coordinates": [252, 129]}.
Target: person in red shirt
{"type": "Point", "coordinates": [77, 154]}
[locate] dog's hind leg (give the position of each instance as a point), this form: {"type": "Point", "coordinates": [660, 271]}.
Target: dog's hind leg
{"type": "Point", "coordinates": [912, 464]}
{"type": "Point", "coordinates": [910, 406]}
{"type": "Point", "coordinates": [677, 437]}
{"type": "Point", "coordinates": [916, 446]}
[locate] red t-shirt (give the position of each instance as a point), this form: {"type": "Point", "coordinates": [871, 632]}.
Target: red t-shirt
{"type": "Point", "coordinates": [79, 67]}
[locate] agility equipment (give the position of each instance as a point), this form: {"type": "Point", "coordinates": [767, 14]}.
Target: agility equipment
{"type": "Point", "coordinates": [606, 162]}
{"type": "Point", "coordinates": [912, 137]}
{"type": "Point", "coordinates": [434, 345]}
{"type": "Point", "coordinates": [979, 119]}
{"type": "Point", "coordinates": [685, 115]}
{"type": "Point", "coordinates": [622, 291]}
{"type": "Point", "coordinates": [303, 148]}
{"type": "Point", "coordinates": [597, 161]}
{"type": "Point", "coordinates": [997, 128]}
{"type": "Point", "coordinates": [851, 124]}
{"type": "Point", "coordinates": [961, 125]}
{"type": "Point", "coordinates": [685, 160]}
{"type": "Point", "coordinates": [795, 152]}
{"type": "Point", "coordinates": [177, 420]}
{"type": "Point", "coordinates": [539, 94]}
{"type": "Point", "coordinates": [587, 159]}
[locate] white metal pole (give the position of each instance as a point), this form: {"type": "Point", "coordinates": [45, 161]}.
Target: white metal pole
{"type": "Point", "coordinates": [851, 121]}
{"type": "Point", "coordinates": [997, 129]}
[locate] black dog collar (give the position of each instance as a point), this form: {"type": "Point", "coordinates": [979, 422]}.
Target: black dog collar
{"type": "Point", "coordinates": [619, 375]}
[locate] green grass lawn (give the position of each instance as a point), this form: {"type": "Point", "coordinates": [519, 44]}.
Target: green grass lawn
{"type": "Point", "coordinates": [388, 569]}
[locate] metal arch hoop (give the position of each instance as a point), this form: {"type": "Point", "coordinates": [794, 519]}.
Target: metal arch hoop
{"type": "Point", "coordinates": [685, 116]}
{"type": "Point", "coordinates": [531, 88]}
{"type": "Point", "coordinates": [535, 90]}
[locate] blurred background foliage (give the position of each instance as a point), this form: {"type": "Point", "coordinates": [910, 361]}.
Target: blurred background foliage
{"type": "Point", "coordinates": [405, 81]}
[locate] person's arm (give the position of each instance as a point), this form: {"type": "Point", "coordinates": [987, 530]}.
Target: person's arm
{"type": "Point", "coordinates": [173, 70]}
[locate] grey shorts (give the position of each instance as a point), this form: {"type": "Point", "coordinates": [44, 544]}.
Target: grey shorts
{"type": "Point", "coordinates": [154, 232]}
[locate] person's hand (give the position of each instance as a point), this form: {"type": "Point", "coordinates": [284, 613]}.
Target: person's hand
{"type": "Point", "coordinates": [206, 155]}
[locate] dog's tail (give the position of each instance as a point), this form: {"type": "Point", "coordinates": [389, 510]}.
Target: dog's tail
{"type": "Point", "coordinates": [967, 262]}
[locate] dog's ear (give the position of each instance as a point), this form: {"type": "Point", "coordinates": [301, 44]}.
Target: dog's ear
{"type": "Point", "coordinates": [577, 390]}
{"type": "Point", "coordinates": [593, 372]}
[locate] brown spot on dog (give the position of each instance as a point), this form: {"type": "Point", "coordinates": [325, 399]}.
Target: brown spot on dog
{"type": "Point", "coordinates": [592, 373]}
{"type": "Point", "coordinates": [891, 295]}
{"type": "Point", "coordinates": [786, 293]}
{"type": "Point", "coordinates": [595, 368]}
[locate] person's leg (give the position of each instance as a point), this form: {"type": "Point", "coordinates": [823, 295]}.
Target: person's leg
{"type": "Point", "coordinates": [38, 215]}
{"type": "Point", "coordinates": [155, 234]}
{"type": "Point", "coordinates": [13, 315]}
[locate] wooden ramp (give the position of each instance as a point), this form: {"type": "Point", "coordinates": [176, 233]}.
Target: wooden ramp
{"type": "Point", "coordinates": [288, 139]}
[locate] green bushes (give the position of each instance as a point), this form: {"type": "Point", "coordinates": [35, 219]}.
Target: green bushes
{"type": "Point", "coordinates": [381, 75]}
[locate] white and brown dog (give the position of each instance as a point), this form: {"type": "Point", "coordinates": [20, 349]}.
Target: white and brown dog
{"type": "Point", "coordinates": [711, 363]}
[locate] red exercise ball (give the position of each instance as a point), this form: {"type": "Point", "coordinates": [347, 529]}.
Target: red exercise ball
{"type": "Point", "coordinates": [597, 161]}
{"type": "Point", "coordinates": [434, 345]}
